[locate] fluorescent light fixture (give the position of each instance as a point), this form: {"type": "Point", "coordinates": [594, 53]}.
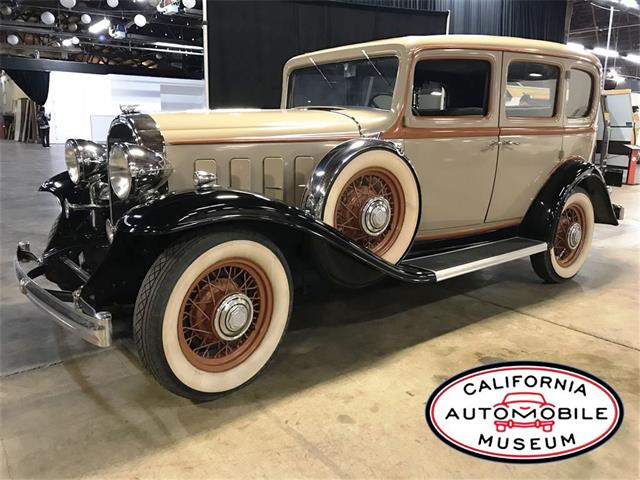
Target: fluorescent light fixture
{"type": "Point", "coordinates": [578, 47]}
{"type": "Point", "coordinates": [535, 75]}
{"type": "Point", "coordinates": [177, 45]}
{"type": "Point", "coordinates": [630, 3]}
{"type": "Point", "coordinates": [100, 26]}
{"type": "Point", "coordinates": [603, 52]}
{"type": "Point", "coordinates": [436, 93]}
{"type": "Point", "coordinates": [67, 42]}
{"type": "Point", "coordinates": [631, 57]}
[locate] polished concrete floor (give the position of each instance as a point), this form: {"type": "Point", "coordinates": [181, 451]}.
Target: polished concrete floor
{"type": "Point", "coordinates": [345, 395]}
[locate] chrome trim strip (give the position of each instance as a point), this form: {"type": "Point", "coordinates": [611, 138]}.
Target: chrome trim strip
{"type": "Point", "coordinates": [95, 329]}
{"type": "Point", "coordinates": [488, 262]}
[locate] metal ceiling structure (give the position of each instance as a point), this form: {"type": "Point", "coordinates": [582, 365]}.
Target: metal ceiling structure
{"type": "Point", "coordinates": [171, 42]}
{"type": "Point", "coordinates": [589, 27]}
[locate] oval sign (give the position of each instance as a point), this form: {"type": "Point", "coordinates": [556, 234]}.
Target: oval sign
{"type": "Point", "coordinates": [524, 412]}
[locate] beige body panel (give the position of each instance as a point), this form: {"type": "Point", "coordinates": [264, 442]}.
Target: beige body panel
{"type": "Point", "coordinates": [246, 126]}
{"type": "Point", "coordinates": [282, 167]}
{"type": "Point", "coordinates": [468, 182]}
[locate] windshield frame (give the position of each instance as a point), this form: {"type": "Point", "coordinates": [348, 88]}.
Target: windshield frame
{"type": "Point", "coordinates": [320, 60]}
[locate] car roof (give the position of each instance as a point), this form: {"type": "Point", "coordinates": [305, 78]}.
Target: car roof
{"type": "Point", "coordinates": [478, 42]}
{"type": "Point", "coordinates": [510, 397]}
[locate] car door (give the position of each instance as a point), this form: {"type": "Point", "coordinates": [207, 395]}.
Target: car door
{"type": "Point", "coordinates": [451, 134]}
{"type": "Point", "coordinates": [531, 131]}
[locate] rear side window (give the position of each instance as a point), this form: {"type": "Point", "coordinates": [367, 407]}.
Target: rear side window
{"type": "Point", "coordinates": [451, 87]}
{"type": "Point", "coordinates": [531, 89]}
{"type": "Point", "coordinates": [580, 94]}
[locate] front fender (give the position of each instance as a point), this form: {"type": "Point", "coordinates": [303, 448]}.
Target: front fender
{"type": "Point", "coordinates": [63, 188]}
{"type": "Point", "coordinates": [144, 231]}
{"type": "Point", "coordinates": [541, 219]}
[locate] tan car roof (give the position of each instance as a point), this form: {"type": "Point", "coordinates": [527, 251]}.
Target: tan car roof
{"type": "Point", "coordinates": [480, 42]}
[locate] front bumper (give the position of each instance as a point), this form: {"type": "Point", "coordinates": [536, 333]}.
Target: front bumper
{"type": "Point", "coordinates": [65, 307]}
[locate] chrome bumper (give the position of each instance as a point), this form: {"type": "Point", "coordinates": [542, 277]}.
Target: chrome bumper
{"type": "Point", "coordinates": [75, 315]}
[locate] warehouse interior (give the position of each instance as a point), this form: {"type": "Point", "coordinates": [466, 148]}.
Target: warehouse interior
{"type": "Point", "coordinates": [345, 393]}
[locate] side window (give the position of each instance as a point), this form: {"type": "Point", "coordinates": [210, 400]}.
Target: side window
{"type": "Point", "coordinates": [580, 94]}
{"type": "Point", "coordinates": [531, 89]}
{"type": "Point", "coordinates": [451, 87]}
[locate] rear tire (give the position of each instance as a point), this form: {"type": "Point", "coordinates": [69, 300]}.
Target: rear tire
{"type": "Point", "coordinates": [211, 312]}
{"type": "Point", "coordinates": [572, 241]}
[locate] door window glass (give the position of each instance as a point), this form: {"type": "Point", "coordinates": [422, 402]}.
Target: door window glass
{"type": "Point", "coordinates": [579, 94]}
{"type": "Point", "coordinates": [531, 89]}
{"type": "Point", "coordinates": [451, 87]}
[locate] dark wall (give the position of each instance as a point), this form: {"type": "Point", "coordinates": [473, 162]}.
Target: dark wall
{"type": "Point", "coordinates": [250, 41]}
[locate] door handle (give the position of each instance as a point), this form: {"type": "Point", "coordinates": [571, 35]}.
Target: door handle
{"type": "Point", "coordinates": [496, 143]}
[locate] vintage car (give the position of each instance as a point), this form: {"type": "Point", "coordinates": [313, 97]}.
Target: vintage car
{"type": "Point", "coordinates": [524, 405]}
{"type": "Point", "coordinates": [418, 158]}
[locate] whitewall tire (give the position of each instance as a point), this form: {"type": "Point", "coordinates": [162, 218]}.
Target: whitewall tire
{"type": "Point", "coordinates": [211, 312]}
{"type": "Point", "coordinates": [572, 240]}
{"type": "Point", "coordinates": [375, 201]}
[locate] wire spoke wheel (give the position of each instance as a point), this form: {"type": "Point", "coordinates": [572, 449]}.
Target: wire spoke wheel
{"type": "Point", "coordinates": [370, 208]}
{"type": "Point", "coordinates": [569, 238]}
{"type": "Point", "coordinates": [225, 315]}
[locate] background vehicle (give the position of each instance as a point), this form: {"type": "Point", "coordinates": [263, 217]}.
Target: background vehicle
{"type": "Point", "coordinates": [399, 157]}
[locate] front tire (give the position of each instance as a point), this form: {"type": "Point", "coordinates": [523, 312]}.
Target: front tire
{"type": "Point", "coordinates": [211, 312]}
{"type": "Point", "coordinates": [572, 240]}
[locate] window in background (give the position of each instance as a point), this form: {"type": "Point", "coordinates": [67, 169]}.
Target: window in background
{"type": "Point", "coordinates": [580, 94]}
{"type": "Point", "coordinates": [531, 89]}
{"type": "Point", "coordinates": [451, 87]}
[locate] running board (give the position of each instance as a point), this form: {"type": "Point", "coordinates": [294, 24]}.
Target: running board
{"type": "Point", "coordinates": [469, 259]}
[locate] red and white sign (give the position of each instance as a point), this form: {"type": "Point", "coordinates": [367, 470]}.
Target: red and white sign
{"type": "Point", "coordinates": [524, 412]}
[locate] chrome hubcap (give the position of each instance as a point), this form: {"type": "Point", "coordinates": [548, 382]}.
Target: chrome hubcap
{"type": "Point", "coordinates": [233, 316]}
{"type": "Point", "coordinates": [574, 235]}
{"type": "Point", "coordinates": [376, 216]}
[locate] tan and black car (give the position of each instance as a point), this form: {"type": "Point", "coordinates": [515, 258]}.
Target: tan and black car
{"type": "Point", "coordinates": [418, 158]}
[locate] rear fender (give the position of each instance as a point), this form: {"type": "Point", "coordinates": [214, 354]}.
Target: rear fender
{"type": "Point", "coordinates": [541, 219]}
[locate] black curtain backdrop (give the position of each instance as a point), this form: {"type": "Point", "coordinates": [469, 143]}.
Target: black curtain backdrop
{"type": "Point", "coordinates": [34, 84]}
{"type": "Point", "coordinates": [250, 41]}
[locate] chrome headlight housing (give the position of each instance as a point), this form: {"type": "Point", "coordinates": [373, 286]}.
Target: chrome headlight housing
{"type": "Point", "coordinates": [134, 170]}
{"type": "Point", "coordinates": [84, 159]}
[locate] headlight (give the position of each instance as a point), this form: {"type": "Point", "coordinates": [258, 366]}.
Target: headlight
{"type": "Point", "coordinates": [134, 170]}
{"type": "Point", "coordinates": [84, 159]}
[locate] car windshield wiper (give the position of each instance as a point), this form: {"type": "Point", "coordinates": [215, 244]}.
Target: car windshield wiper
{"type": "Point", "coordinates": [373, 65]}
{"type": "Point", "coordinates": [321, 72]}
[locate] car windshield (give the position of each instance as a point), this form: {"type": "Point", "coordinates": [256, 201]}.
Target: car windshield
{"type": "Point", "coordinates": [368, 82]}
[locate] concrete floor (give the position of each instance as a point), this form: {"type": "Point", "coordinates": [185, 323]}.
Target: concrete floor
{"type": "Point", "coordinates": [345, 395]}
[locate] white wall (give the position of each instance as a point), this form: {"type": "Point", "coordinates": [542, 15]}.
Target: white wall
{"type": "Point", "coordinates": [82, 105]}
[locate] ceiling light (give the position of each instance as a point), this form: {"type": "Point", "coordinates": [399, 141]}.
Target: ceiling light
{"type": "Point", "coordinates": [535, 75]}
{"type": "Point", "coordinates": [603, 52]}
{"type": "Point", "coordinates": [68, 3]}
{"type": "Point", "coordinates": [629, 3]}
{"type": "Point", "coordinates": [66, 42]}
{"type": "Point", "coordinates": [112, 3]}
{"type": "Point", "coordinates": [140, 20]}
{"type": "Point", "coordinates": [75, 40]}
{"type": "Point", "coordinates": [47, 18]}
{"type": "Point", "coordinates": [100, 26]}
{"type": "Point", "coordinates": [436, 93]}
{"type": "Point", "coordinates": [13, 39]}
{"type": "Point", "coordinates": [177, 45]}
{"type": "Point", "coordinates": [578, 47]}
{"type": "Point", "coordinates": [85, 18]}
{"type": "Point", "coordinates": [631, 57]}
{"type": "Point", "coordinates": [189, 4]}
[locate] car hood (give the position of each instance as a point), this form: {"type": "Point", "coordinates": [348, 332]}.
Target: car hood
{"type": "Point", "coordinates": [246, 126]}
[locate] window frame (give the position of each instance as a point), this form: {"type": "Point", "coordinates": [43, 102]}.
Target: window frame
{"type": "Point", "coordinates": [557, 120]}
{"type": "Point", "coordinates": [592, 94]}
{"type": "Point", "coordinates": [494, 57]}
{"type": "Point", "coordinates": [487, 93]}
{"type": "Point", "coordinates": [347, 58]}
{"type": "Point", "coordinates": [559, 85]}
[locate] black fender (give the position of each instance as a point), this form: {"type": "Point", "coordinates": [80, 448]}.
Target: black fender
{"type": "Point", "coordinates": [63, 188]}
{"type": "Point", "coordinates": [541, 220]}
{"type": "Point", "coordinates": [325, 173]}
{"type": "Point", "coordinates": [147, 229]}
